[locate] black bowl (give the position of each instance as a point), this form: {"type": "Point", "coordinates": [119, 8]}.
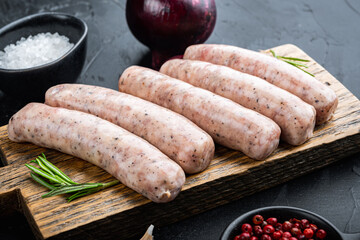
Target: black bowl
{"type": "Point", "coordinates": [283, 213]}
{"type": "Point", "coordinates": [31, 83]}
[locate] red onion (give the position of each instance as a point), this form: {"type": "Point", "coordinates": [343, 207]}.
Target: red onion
{"type": "Point", "coordinates": [168, 27]}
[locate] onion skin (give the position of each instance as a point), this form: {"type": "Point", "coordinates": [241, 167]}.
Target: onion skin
{"type": "Point", "coordinates": [168, 27]}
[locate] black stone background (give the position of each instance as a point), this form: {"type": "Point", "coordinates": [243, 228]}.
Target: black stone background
{"type": "Point", "coordinates": [327, 30]}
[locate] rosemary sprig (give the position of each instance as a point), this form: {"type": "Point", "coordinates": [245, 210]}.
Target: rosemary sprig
{"type": "Point", "coordinates": [58, 182]}
{"type": "Point", "coordinates": [293, 61]}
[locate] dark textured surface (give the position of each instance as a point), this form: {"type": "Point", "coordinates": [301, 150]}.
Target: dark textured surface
{"type": "Point", "coordinates": [328, 31]}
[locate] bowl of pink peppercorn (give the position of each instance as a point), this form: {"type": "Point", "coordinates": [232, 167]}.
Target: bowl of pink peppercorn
{"type": "Point", "coordinates": [283, 223]}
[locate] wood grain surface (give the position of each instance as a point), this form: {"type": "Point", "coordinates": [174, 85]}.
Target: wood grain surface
{"type": "Point", "coordinates": [120, 213]}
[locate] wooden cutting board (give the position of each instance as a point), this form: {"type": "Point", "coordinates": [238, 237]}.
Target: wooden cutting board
{"type": "Point", "coordinates": [119, 212]}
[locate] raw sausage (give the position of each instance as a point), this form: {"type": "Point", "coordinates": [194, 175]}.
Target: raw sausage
{"type": "Point", "coordinates": [227, 122]}
{"type": "Point", "coordinates": [131, 159]}
{"type": "Point", "coordinates": [295, 117]}
{"type": "Point", "coordinates": [275, 71]}
{"type": "Point", "coordinates": [176, 136]}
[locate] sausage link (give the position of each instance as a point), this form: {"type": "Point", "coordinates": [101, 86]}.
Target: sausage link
{"type": "Point", "coordinates": [176, 136]}
{"type": "Point", "coordinates": [226, 121]}
{"type": "Point", "coordinates": [129, 158]}
{"type": "Point", "coordinates": [275, 71]}
{"type": "Point", "coordinates": [295, 117]}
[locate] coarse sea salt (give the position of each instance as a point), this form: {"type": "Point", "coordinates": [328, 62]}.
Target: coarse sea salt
{"type": "Point", "coordinates": [34, 51]}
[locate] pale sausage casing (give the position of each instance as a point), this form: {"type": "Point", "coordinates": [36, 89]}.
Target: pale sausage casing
{"type": "Point", "coordinates": [131, 159]}
{"type": "Point", "coordinates": [275, 71]}
{"type": "Point", "coordinates": [295, 117]}
{"type": "Point", "coordinates": [227, 122]}
{"type": "Point", "coordinates": [176, 136]}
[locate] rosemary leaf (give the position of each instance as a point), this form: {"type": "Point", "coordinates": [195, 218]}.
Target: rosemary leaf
{"type": "Point", "coordinates": [307, 72]}
{"type": "Point", "coordinates": [294, 59]}
{"type": "Point", "coordinates": [42, 173]}
{"type": "Point", "coordinates": [60, 183]}
{"type": "Point", "coordinates": [110, 184]}
{"type": "Point", "coordinates": [62, 180]}
{"type": "Point", "coordinates": [41, 181]}
{"type": "Point", "coordinates": [43, 167]}
{"type": "Point", "coordinates": [273, 53]}
{"type": "Point", "coordinates": [90, 191]}
{"type": "Point", "coordinates": [295, 64]}
{"type": "Point", "coordinates": [77, 195]}
{"type": "Point", "coordinates": [71, 188]}
{"type": "Point", "coordinates": [83, 193]}
{"type": "Point", "coordinates": [55, 169]}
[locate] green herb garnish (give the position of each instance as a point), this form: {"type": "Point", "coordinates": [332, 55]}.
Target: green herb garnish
{"type": "Point", "coordinates": [293, 61]}
{"type": "Point", "coordinates": [58, 182]}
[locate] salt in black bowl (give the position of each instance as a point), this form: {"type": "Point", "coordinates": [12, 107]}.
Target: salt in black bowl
{"type": "Point", "coordinates": [31, 83]}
